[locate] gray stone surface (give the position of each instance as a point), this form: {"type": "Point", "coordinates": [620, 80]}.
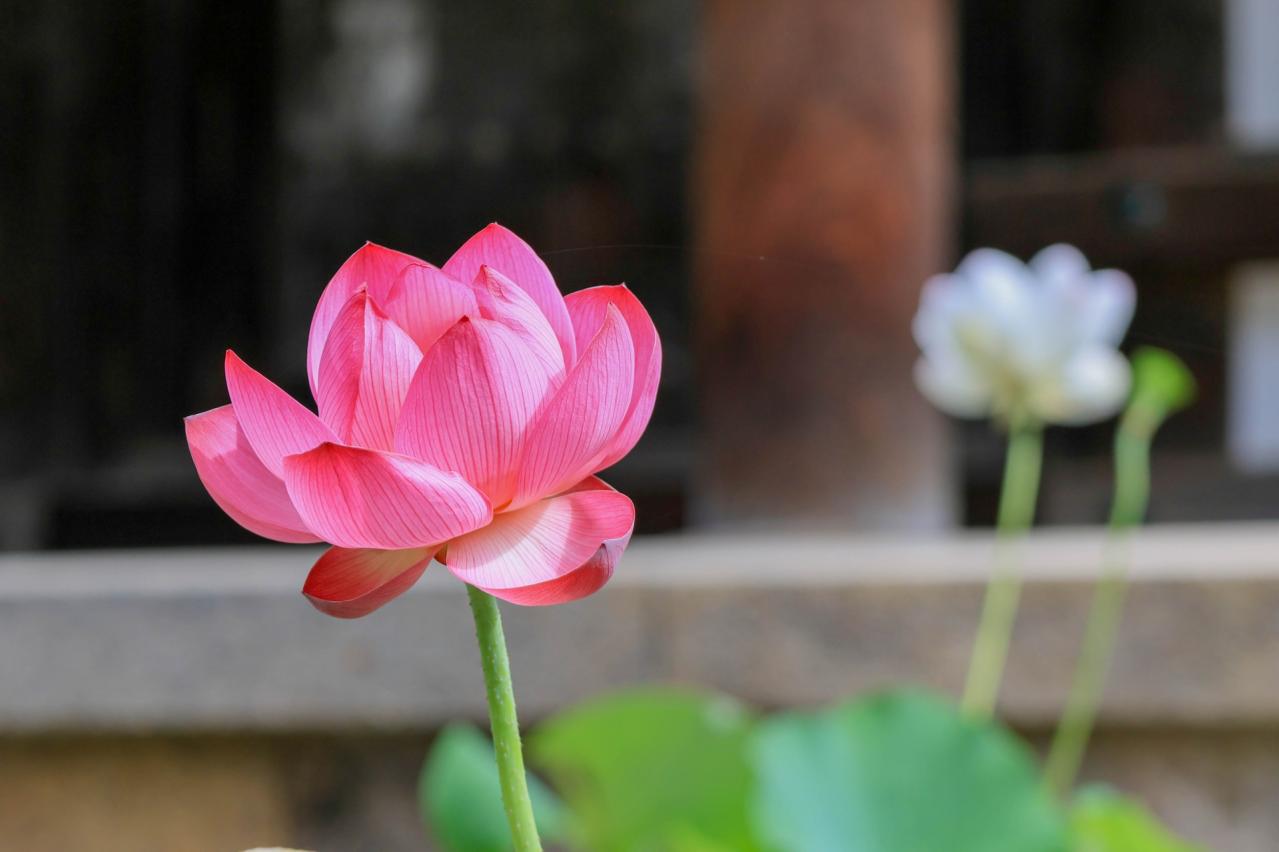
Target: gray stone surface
{"type": "Point", "coordinates": [222, 640]}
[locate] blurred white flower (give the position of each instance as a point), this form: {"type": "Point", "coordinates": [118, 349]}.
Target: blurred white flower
{"type": "Point", "coordinates": [1021, 340]}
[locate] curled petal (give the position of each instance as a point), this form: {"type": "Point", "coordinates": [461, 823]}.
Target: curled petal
{"type": "Point", "coordinates": [543, 542]}
{"type": "Point", "coordinates": [359, 498]}
{"type": "Point", "coordinates": [996, 305]}
{"type": "Point", "coordinates": [941, 301]}
{"type": "Point", "coordinates": [276, 424]}
{"type": "Point", "coordinates": [500, 249]}
{"type": "Point", "coordinates": [1059, 265]}
{"type": "Point", "coordinates": [1102, 301]}
{"type": "Point", "coordinates": [372, 267]}
{"type": "Point", "coordinates": [587, 309]}
{"type": "Point", "coordinates": [952, 387]}
{"type": "Point", "coordinates": [502, 300]}
{"type": "Point", "coordinates": [238, 482]}
{"type": "Point", "coordinates": [585, 580]}
{"type": "Point", "coordinates": [426, 303]}
{"type": "Point", "coordinates": [364, 375]}
{"type": "Point", "coordinates": [1091, 386]}
{"type": "Point", "coordinates": [1000, 280]}
{"type": "Point", "coordinates": [581, 421]}
{"type": "Point", "coordinates": [471, 404]}
{"type": "Point", "coordinates": [350, 583]}
{"type": "Point", "coordinates": [1112, 299]}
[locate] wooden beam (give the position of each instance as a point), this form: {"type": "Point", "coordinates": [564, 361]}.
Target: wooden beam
{"type": "Point", "coordinates": [822, 183]}
{"type": "Point", "coordinates": [1165, 207]}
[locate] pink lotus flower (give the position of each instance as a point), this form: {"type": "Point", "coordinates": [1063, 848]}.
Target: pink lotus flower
{"type": "Point", "coordinates": [463, 413]}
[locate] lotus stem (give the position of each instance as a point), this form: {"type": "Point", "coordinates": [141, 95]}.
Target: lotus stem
{"type": "Point", "coordinates": [1132, 495]}
{"type": "Point", "coordinates": [1017, 498]}
{"type": "Point", "coordinates": [503, 720]}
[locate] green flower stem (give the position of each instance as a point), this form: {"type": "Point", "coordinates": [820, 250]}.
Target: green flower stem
{"type": "Point", "coordinates": [506, 727]}
{"type": "Point", "coordinates": [1132, 494]}
{"type": "Point", "coordinates": [1017, 498]}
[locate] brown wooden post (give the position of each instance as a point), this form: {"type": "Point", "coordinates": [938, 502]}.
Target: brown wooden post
{"type": "Point", "coordinates": [823, 179]}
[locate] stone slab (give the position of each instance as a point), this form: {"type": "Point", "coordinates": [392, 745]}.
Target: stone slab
{"type": "Point", "coordinates": [221, 639]}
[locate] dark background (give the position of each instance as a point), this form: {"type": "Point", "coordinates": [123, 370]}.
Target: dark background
{"type": "Point", "coordinates": [183, 178]}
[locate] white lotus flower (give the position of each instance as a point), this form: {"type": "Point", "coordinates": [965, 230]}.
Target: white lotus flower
{"type": "Point", "coordinates": [1014, 340]}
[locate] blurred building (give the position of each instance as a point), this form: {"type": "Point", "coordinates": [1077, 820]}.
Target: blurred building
{"type": "Point", "coordinates": [181, 178]}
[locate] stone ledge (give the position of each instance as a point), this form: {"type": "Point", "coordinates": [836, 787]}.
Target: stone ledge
{"type": "Point", "coordinates": [220, 639]}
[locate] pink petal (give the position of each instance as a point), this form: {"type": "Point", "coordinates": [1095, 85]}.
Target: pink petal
{"type": "Point", "coordinates": [351, 583]}
{"type": "Point", "coordinates": [276, 424]}
{"type": "Point", "coordinates": [502, 300]}
{"type": "Point", "coordinates": [587, 309]}
{"type": "Point", "coordinates": [357, 498]}
{"type": "Point", "coordinates": [579, 423]}
{"type": "Point", "coordinates": [544, 542]}
{"type": "Point", "coordinates": [579, 583]}
{"type": "Point", "coordinates": [497, 247]}
{"type": "Point", "coordinates": [471, 402]}
{"type": "Point", "coordinates": [426, 303]}
{"type": "Point", "coordinates": [372, 267]}
{"type": "Point", "coordinates": [239, 483]}
{"type": "Point", "coordinates": [364, 375]}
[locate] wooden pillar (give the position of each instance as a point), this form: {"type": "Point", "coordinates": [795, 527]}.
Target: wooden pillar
{"type": "Point", "coordinates": [822, 183]}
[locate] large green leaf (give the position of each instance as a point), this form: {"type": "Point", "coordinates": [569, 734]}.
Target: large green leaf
{"type": "Point", "coordinates": [652, 770]}
{"type": "Point", "coordinates": [1104, 821]}
{"type": "Point", "coordinates": [899, 772]}
{"type": "Point", "coordinates": [460, 796]}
